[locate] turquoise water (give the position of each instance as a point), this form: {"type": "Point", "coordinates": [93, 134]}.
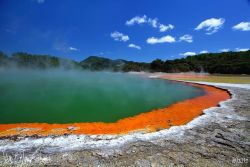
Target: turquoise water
{"type": "Point", "coordinates": [77, 96]}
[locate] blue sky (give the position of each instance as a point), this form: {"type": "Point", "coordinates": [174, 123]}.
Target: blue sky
{"type": "Point", "coordinates": [124, 29]}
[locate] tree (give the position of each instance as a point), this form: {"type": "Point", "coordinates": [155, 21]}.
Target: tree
{"type": "Point", "coordinates": [157, 65]}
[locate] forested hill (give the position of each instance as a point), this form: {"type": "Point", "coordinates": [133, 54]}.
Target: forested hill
{"type": "Point", "coordinates": [100, 63]}
{"type": "Point", "coordinates": [222, 63]}
{"type": "Point", "coordinates": [35, 61]}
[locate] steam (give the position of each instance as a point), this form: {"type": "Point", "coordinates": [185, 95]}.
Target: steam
{"type": "Point", "coordinates": [68, 96]}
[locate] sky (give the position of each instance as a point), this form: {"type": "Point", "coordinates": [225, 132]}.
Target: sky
{"type": "Point", "coordinates": [124, 29]}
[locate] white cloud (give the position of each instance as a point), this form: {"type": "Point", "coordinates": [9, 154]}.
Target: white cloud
{"type": "Point", "coordinates": [203, 52]}
{"type": "Point", "coordinates": [164, 39]}
{"type": "Point", "coordinates": [188, 38]}
{"type": "Point", "coordinates": [134, 46]}
{"type": "Point", "coordinates": [243, 26]}
{"type": "Point", "coordinates": [224, 50]}
{"type": "Point", "coordinates": [117, 36]}
{"type": "Point", "coordinates": [211, 25]}
{"type": "Point", "coordinates": [188, 54]}
{"type": "Point", "coordinates": [152, 22]}
{"type": "Point", "coordinates": [242, 49]}
{"type": "Point", "coordinates": [73, 48]}
{"type": "Point", "coordinates": [164, 28]}
{"type": "Point", "coordinates": [40, 1]}
{"type": "Point", "coordinates": [137, 20]}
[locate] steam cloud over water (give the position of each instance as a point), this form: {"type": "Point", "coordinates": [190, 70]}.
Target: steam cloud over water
{"type": "Point", "coordinates": [58, 96]}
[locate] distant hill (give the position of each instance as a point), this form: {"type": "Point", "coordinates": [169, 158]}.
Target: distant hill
{"type": "Point", "coordinates": [221, 63]}
{"type": "Point", "coordinates": [25, 60]}
{"type": "Point", "coordinates": [96, 63]}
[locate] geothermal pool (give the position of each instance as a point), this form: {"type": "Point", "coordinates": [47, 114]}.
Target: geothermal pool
{"type": "Point", "coordinates": [55, 96]}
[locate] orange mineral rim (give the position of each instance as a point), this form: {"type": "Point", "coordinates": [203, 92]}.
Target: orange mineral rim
{"type": "Point", "coordinates": [176, 114]}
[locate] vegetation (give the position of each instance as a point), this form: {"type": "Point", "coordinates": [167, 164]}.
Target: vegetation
{"type": "Point", "coordinates": [25, 60]}
{"type": "Point", "coordinates": [135, 66]}
{"type": "Point", "coordinates": [95, 63]}
{"type": "Point", "coordinates": [221, 63]}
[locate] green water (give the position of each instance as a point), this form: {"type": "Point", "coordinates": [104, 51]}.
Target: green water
{"type": "Point", "coordinates": [76, 96]}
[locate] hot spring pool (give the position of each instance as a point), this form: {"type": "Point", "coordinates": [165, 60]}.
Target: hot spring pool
{"type": "Point", "coordinates": [75, 96]}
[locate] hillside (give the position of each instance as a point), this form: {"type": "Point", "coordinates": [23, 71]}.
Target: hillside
{"type": "Point", "coordinates": [34, 61]}
{"type": "Point", "coordinates": [96, 63]}
{"type": "Point", "coordinates": [221, 63]}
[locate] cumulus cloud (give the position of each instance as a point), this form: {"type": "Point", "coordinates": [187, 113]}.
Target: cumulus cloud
{"type": "Point", "coordinates": [164, 39]}
{"type": "Point", "coordinates": [134, 46]}
{"type": "Point", "coordinates": [188, 54]}
{"type": "Point", "coordinates": [137, 20]}
{"type": "Point", "coordinates": [117, 36]}
{"type": "Point", "coordinates": [224, 50]}
{"type": "Point", "coordinates": [242, 26]}
{"type": "Point", "coordinates": [164, 28]}
{"type": "Point", "coordinates": [73, 48]}
{"type": "Point", "coordinates": [211, 25]}
{"type": "Point", "coordinates": [203, 52]}
{"type": "Point", "coordinates": [153, 22]}
{"type": "Point", "coordinates": [242, 49]}
{"type": "Point", "coordinates": [187, 38]}
{"type": "Point", "coordinates": [147, 20]}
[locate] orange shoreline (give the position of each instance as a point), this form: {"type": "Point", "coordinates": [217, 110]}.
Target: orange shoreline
{"type": "Point", "coordinates": [176, 114]}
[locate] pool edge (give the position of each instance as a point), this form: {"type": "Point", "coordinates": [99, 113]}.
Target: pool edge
{"type": "Point", "coordinates": [35, 130]}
